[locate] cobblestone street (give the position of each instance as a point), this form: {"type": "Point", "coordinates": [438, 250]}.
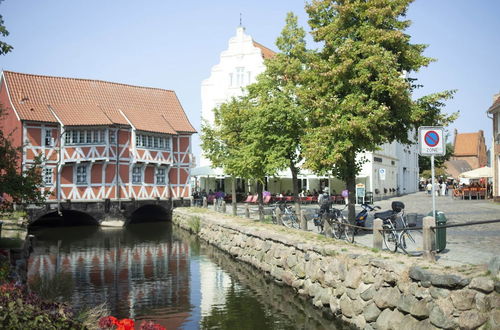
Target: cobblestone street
{"type": "Point", "coordinates": [464, 245]}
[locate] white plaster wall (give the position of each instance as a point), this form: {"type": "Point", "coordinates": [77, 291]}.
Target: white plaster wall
{"type": "Point", "coordinates": [217, 89]}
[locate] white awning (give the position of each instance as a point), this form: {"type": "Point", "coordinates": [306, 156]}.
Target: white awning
{"type": "Point", "coordinates": [207, 171]}
{"type": "Point", "coordinates": [482, 172]}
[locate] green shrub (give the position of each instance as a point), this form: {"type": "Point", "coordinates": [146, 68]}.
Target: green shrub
{"type": "Point", "coordinates": [21, 309]}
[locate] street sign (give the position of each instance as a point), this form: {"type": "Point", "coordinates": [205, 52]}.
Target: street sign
{"type": "Point", "coordinates": [381, 173]}
{"type": "Point", "coordinates": [431, 141]}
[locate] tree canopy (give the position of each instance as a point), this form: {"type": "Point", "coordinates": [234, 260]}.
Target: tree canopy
{"type": "Point", "coordinates": [358, 88]}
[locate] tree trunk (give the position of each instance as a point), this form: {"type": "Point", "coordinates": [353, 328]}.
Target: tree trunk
{"type": "Point", "coordinates": [295, 191]}
{"type": "Point", "coordinates": [351, 187]}
{"type": "Point", "coordinates": [261, 200]}
{"type": "Point", "coordinates": [233, 195]}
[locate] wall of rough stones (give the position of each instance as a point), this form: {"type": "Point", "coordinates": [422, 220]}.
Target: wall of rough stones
{"type": "Point", "coordinates": [368, 288]}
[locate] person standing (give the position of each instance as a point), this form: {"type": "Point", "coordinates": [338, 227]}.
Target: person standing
{"type": "Point", "coordinates": [429, 188]}
{"type": "Point", "coordinates": [443, 188]}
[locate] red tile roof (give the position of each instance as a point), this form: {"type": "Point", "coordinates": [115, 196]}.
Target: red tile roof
{"type": "Point", "coordinates": [496, 103]}
{"type": "Point", "coordinates": [467, 144]}
{"type": "Point", "coordinates": [266, 52]}
{"type": "Point", "coordinates": [95, 102]}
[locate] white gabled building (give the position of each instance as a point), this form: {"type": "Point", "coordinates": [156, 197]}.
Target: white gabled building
{"type": "Point", "coordinates": [393, 166]}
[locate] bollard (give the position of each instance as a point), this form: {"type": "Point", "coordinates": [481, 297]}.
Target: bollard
{"type": "Point", "coordinates": [279, 217]}
{"type": "Point", "coordinates": [247, 211]}
{"type": "Point", "coordinates": [429, 238]}
{"type": "Point", "coordinates": [303, 220]}
{"type": "Point", "coordinates": [326, 225]}
{"type": "Point", "coordinates": [191, 201]}
{"type": "Point", "coordinates": [377, 234]}
{"type": "Point", "coordinates": [216, 204]}
{"type": "Point", "coordinates": [205, 202]}
{"type": "Point", "coordinates": [223, 207]}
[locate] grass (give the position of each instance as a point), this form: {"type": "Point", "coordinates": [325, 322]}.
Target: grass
{"type": "Point", "coordinates": [194, 224]}
{"type": "Point", "coordinates": [13, 215]}
{"type": "Point", "coordinates": [375, 250]}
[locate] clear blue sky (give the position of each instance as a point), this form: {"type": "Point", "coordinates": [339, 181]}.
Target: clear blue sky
{"type": "Point", "coordinates": [173, 44]}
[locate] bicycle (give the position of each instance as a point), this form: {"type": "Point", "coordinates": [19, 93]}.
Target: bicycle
{"type": "Point", "coordinates": [288, 216]}
{"type": "Point", "coordinates": [396, 234]}
{"type": "Point", "coordinates": [339, 225]}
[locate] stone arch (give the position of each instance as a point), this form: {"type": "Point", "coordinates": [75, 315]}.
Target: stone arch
{"type": "Point", "coordinates": [66, 218]}
{"type": "Point", "coordinates": [149, 213]}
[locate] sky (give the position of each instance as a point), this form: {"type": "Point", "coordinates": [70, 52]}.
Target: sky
{"type": "Point", "coordinates": [173, 45]}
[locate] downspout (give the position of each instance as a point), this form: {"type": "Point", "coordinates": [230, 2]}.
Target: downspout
{"type": "Point", "coordinates": [59, 160]}
{"type": "Point", "coordinates": [117, 168]}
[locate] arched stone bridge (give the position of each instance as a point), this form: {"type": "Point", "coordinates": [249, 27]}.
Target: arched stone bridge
{"type": "Point", "coordinates": [103, 211]}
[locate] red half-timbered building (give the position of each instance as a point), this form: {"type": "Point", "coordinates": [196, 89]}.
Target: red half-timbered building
{"type": "Point", "coordinates": [98, 139]}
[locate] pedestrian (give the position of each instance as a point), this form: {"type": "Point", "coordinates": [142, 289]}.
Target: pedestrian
{"type": "Point", "coordinates": [443, 188]}
{"type": "Point", "coordinates": [429, 188]}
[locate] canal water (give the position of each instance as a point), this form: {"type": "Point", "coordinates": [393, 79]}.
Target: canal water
{"type": "Point", "coordinates": [156, 271]}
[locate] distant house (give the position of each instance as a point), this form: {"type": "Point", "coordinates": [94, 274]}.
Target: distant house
{"type": "Point", "coordinates": [456, 166]}
{"type": "Point", "coordinates": [494, 110]}
{"type": "Point", "coordinates": [471, 148]}
{"type": "Point", "coordinates": [98, 139]}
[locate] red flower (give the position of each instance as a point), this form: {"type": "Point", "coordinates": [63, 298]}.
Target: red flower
{"type": "Point", "coordinates": [150, 325]}
{"type": "Point", "coordinates": [125, 324]}
{"type": "Point", "coordinates": [107, 322]}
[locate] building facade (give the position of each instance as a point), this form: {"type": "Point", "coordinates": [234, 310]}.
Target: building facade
{"type": "Point", "coordinates": [494, 111]}
{"type": "Point", "coordinates": [393, 168]}
{"type": "Point", "coordinates": [470, 147]}
{"type": "Point", "coordinates": [96, 139]}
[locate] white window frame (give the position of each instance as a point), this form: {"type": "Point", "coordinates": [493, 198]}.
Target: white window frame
{"type": "Point", "coordinates": [48, 176]}
{"type": "Point", "coordinates": [240, 76]}
{"type": "Point", "coordinates": [137, 175]}
{"type": "Point", "coordinates": [47, 139]}
{"type": "Point", "coordinates": [161, 178]}
{"type": "Point", "coordinates": [81, 177]}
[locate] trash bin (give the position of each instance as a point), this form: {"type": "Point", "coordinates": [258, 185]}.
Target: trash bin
{"type": "Point", "coordinates": [440, 233]}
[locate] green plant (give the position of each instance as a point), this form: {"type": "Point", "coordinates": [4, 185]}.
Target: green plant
{"type": "Point", "coordinates": [343, 250]}
{"type": "Point", "coordinates": [194, 224]}
{"type": "Point", "coordinates": [375, 250]}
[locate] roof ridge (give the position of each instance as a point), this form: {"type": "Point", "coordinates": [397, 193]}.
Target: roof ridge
{"type": "Point", "coordinates": [261, 45]}
{"type": "Point", "coordinates": [89, 80]}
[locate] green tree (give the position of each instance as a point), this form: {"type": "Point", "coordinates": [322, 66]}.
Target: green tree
{"type": "Point", "coordinates": [358, 85]}
{"type": "Point", "coordinates": [424, 162]}
{"type": "Point", "coordinates": [16, 185]}
{"type": "Point", "coordinates": [4, 47]}
{"type": "Point", "coordinates": [278, 115]}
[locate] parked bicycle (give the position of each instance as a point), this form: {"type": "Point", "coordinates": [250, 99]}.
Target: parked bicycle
{"type": "Point", "coordinates": [363, 215]}
{"type": "Point", "coordinates": [338, 223]}
{"type": "Point", "coordinates": [288, 215]}
{"type": "Point", "coordinates": [396, 234]}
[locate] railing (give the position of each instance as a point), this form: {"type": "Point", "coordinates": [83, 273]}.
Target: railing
{"type": "Point", "coordinates": [428, 228]}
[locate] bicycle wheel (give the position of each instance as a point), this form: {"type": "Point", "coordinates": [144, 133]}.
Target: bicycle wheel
{"type": "Point", "coordinates": [407, 242]}
{"type": "Point", "coordinates": [391, 239]}
{"type": "Point", "coordinates": [336, 227]}
{"type": "Point", "coordinates": [348, 231]}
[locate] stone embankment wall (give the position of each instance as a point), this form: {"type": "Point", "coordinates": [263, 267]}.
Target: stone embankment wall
{"type": "Point", "coordinates": [368, 288]}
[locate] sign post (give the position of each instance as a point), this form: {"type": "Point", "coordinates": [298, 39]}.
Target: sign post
{"type": "Point", "coordinates": [431, 142]}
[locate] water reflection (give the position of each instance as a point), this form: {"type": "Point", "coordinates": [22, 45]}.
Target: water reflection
{"type": "Point", "coordinates": [154, 271]}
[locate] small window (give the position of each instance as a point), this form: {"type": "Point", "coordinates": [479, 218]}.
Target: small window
{"type": "Point", "coordinates": [162, 143]}
{"type": "Point", "coordinates": [47, 176]}
{"type": "Point", "coordinates": [67, 137]}
{"type": "Point", "coordinates": [155, 142]}
{"type": "Point", "coordinates": [137, 174]}
{"type": "Point", "coordinates": [88, 136]}
{"type": "Point", "coordinates": [137, 140]}
{"type": "Point", "coordinates": [377, 159]}
{"type": "Point", "coordinates": [81, 174]}
{"type": "Point", "coordinates": [150, 141]}
{"type": "Point", "coordinates": [81, 137]}
{"type": "Point", "coordinates": [160, 176]}
{"type": "Point", "coordinates": [112, 137]}
{"type": "Point", "coordinates": [48, 137]}
{"type": "Point", "coordinates": [167, 144]}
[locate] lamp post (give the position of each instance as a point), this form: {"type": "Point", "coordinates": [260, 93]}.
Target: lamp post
{"type": "Point", "coordinates": [59, 161]}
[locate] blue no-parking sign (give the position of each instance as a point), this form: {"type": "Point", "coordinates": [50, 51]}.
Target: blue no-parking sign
{"type": "Point", "coordinates": [431, 141]}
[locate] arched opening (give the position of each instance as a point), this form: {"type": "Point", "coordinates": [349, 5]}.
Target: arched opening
{"type": "Point", "coordinates": [65, 219]}
{"type": "Point", "coordinates": [149, 213]}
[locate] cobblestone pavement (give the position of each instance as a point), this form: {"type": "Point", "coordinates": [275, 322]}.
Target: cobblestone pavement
{"type": "Point", "coordinates": [464, 245]}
